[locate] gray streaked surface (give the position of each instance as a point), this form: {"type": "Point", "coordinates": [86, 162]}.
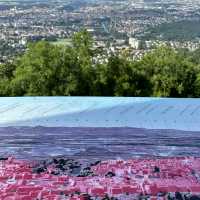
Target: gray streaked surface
{"type": "Point", "coordinates": [97, 143]}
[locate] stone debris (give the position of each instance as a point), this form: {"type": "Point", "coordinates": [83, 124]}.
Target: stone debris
{"type": "Point", "coordinates": [62, 178]}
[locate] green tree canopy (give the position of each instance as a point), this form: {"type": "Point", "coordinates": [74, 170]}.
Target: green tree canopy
{"type": "Point", "coordinates": [171, 74]}
{"type": "Point", "coordinates": [47, 70]}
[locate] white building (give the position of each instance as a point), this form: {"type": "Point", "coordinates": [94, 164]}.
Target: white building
{"type": "Point", "coordinates": [134, 43]}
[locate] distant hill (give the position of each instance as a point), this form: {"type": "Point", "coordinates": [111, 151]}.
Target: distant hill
{"type": "Point", "coordinates": [182, 30]}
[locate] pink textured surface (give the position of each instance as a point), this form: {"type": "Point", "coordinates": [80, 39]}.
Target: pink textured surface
{"type": "Point", "coordinates": [132, 177]}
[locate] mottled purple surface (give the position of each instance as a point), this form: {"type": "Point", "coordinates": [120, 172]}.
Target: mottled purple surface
{"type": "Point", "coordinates": [98, 143]}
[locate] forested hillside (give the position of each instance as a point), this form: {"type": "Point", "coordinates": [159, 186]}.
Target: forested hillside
{"type": "Point", "coordinates": [175, 31]}
{"type": "Point", "coordinates": [47, 69]}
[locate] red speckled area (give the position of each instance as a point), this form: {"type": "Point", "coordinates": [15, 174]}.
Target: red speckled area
{"type": "Point", "coordinates": [162, 178]}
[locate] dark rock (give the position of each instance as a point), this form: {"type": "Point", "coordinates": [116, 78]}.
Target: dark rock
{"type": "Point", "coordinates": [170, 197]}
{"type": "Point", "coordinates": [95, 163]}
{"type": "Point", "coordinates": [187, 196]}
{"type": "Point", "coordinates": [3, 158]}
{"type": "Point", "coordinates": [86, 172]}
{"type": "Point", "coordinates": [77, 192]}
{"type": "Point", "coordinates": [109, 198]}
{"type": "Point", "coordinates": [86, 197]}
{"type": "Point", "coordinates": [106, 198]}
{"type": "Point", "coordinates": [55, 173]}
{"type": "Point", "coordinates": [162, 194]}
{"type": "Point", "coordinates": [194, 197]}
{"type": "Point", "coordinates": [73, 165]}
{"type": "Point", "coordinates": [156, 169]}
{"type": "Point", "coordinates": [39, 170]}
{"type": "Point", "coordinates": [55, 161]}
{"type": "Point", "coordinates": [61, 167]}
{"type": "Point", "coordinates": [178, 196]}
{"type": "Point", "coordinates": [110, 174]}
{"type": "Point", "coordinates": [62, 161]}
{"type": "Point", "coordinates": [87, 169]}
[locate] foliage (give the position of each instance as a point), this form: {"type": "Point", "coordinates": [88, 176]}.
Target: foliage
{"type": "Point", "coordinates": [171, 74]}
{"type": "Point", "coordinates": [48, 69]}
{"type": "Point", "coordinates": [6, 75]}
{"type": "Point", "coordinates": [178, 30]}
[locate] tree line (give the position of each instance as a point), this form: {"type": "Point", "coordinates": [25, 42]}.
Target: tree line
{"type": "Point", "coordinates": [48, 70]}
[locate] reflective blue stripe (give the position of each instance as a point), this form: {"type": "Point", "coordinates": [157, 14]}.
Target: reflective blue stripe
{"type": "Point", "coordinates": [152, 113]}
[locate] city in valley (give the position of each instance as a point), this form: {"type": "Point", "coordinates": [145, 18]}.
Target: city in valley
{"type": "Point", "coordinates": [136, 26]}
{"type": "Point", "coordinates": [99, 99]}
